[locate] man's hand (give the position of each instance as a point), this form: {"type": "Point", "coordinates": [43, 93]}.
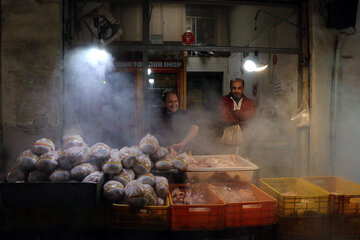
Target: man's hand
{"type": "Point", "coordinates": [178, 147]}
{"type": "Point", "coordinates": [172, 152]}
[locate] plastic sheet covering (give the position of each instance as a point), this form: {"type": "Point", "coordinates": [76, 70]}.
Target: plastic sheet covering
{"type": "Point", "coordinates": [73, 141]}
{"type": "Point", "coordinates": [47, 162]}
{"type": "Point", "coordinates": [94, 177]}
{"type": "Point", "coordinates": [60, 175]}
{"type": "Point", "coordinates": [114, 191]}
{"type": "Point", "coordinates": [27, 160]}
{"type": "Point", "coordinates": [142, 165]}
{"type": "Point", "coordinates": [161, 187]}
{"type": "Point", "coordinates": [150, 195]}
{"type": "Point", "coordinates": [16, 174]}
{"type": "Point", "coordinates": [159, 154]}
{"type": "Point", "coordinates": [113, 164]}
{"type": "Point", "coordinates": [147, 178]}
{"type": "Point", "coordinates": [135, 193]}
{"type": "Point", "coordinates": [301, 118]}
{"type": "Point", "coordinates": [98, 153]}
{"type": "Point", "coordinates": [164, 164]}
{"type": "Point", "coordinates": [42, 146]}
{"type": "Point", "coordinates": [125, 176]}
{"type": "Point", "coordinates": [149, 144]}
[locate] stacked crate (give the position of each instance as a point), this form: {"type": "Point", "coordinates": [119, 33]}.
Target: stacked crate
{"type": "Point", "coordinates": [344, 206]}
{"type": "Point", "coordinates": [302, 208]}
{"type": "Point", "coordinates": [147, 217]}
{"type": "Point", "coordinates": [247, 213]}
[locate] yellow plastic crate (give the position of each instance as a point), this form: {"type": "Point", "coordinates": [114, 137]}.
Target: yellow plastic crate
{"type": "Point", "coordinates": [296, 197]}
{"type": "Point", "coordinates": [344, 194]}
{"type": "Point", "coordinates": [148, 217]}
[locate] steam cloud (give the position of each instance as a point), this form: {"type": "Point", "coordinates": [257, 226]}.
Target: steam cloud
{"type": "Point", "coordinates": [99, 103]}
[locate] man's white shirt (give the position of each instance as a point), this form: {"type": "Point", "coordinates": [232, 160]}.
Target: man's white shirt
{"type": "Point", "coordinates": [237, 106]}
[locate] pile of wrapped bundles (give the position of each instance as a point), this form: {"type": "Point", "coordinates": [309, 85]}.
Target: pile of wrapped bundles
{"type": "Point", "coordinates": [73, 162]}
{"type": "Point", "coordinates": [128, 169]}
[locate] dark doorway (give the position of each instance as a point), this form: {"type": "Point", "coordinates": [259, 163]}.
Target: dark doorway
{"type": "Point", "coordinates": [204, 90]}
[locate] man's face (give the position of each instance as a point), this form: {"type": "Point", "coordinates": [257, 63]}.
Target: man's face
{"type": "Point", "coordinates": [237, 88]}
{"type": "Point", "coordinates": [171, 103]}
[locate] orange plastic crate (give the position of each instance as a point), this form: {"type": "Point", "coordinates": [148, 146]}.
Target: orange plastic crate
{"type": "Point", "coordinates": [198, 216]}
{"type": "Point", "coordinates": [249, 213]}
{"type": "Point", "coordinates": [148, 217]}
{"type": "Point", "coordinates": [344, 196]}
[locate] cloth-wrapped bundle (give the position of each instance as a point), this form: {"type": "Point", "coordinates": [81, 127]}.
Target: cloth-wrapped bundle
{"type": "Point", "coordinates": [125, 176]}
{"type": "Point", "coordinates": [130, 155]}
{"type": "Point", "coordinates": [114, 191]}
{"type": "Point", "coordinates": [135, 193]}
{"type": "Point", "coordinates": [60, 175]}
{"type": "Point", "coordinates": [149, 144]}
{"type": "Point", "coordinates": [181, 161]}
{"type": "Point", "coordinates": [160, 202]}
{"type": "Point", "coordinates": [73, 141]}
{"type": "Point", "coordinates": [79, 172]}
{"type": "Point", "coordinates": [160, 153]}
{"type": "Point", "coordinates": [147, 178]}
{"type": "Point", "coordinates": [63, 161]}
{"type": "Point", "coordinates": [16, 174]}
{"type": "Point", "coordinates": [47, 162]}
{"type": "Point", "coordinates": [113, 164]}
{"type": "Point", "coordinates": [164, 164]}
{"type": "Point", "coordinates": [161, 187]}
{"type": "Point", "coordinates": [142, 165]}
{"type": "Point", "coordinates": [98, 153]}
{"type": "Point", "coordinates": [76, 155]}
{"type": "Point", "coordinates": [93, 177]}
{"type": "Point", "coordinates": [27, 160]}
{"type": "Point", "coordinates": [150, 195]}
{"type": "Point", "coordinates": [37, 176]}
{"type": "Point", "coordinates": [42, 146]}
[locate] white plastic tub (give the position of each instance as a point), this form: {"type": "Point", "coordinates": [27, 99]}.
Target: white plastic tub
{"type": "Point", "coordinates": [243, 173]}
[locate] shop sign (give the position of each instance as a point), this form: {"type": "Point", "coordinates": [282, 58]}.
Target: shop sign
{"type": "Point", "coordinates": [188, 38]}
{"type": "Point", "coordinates": [152, 64]}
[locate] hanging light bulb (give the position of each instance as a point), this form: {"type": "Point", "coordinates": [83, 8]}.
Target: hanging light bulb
{"type": "Point", "coordinates": [251, 63]}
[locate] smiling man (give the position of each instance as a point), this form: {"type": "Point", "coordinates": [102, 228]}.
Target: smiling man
{"type": "Point", "coordinates": [173, 127]}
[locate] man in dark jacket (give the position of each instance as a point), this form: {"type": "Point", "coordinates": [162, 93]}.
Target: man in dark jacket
{"type": "Point", "coordinates": [172, 127]}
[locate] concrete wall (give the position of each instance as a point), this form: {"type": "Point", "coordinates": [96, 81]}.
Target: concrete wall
{"type": "Point", "coordinates": [347, 162]}
{"type": "Point", "coordinates": [343, 159]}
{"type": "Point", "coordinates": [242, 24]}
{"type": "Point", "coordinates": [321, 62]}
{"type": "Point", "coordinates": [31, 84]}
